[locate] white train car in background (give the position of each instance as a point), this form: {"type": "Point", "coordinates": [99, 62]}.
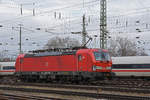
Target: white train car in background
{"type": "Point", "coordinates": [7, 68]}
{"type": "Point", "coordinates": [132, 66]}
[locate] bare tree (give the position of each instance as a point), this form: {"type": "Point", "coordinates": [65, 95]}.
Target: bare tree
{"type": "Point", "coordinates": [124, 47]}
{"type": "Point", "coordinates": [3, 55]}
{"type": "Point", "coordinates": [65, 42]}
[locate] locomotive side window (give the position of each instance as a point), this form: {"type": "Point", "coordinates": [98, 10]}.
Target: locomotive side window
{"type": "Point", "coordinates": [79, 57]}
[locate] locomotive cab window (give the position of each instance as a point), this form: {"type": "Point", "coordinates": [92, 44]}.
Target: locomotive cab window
{"type": "Point", "coordinates": [102, 56]}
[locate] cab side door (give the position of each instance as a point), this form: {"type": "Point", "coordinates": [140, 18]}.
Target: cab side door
{"type": "Point", "coordinates": [82, 62]}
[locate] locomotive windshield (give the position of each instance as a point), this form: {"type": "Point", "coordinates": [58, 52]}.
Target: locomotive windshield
{"type": "Point", "coordinates": [102, 56]}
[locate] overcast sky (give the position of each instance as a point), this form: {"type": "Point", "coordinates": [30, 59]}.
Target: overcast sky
{"type": "Point", "coordinates": [124, 17]}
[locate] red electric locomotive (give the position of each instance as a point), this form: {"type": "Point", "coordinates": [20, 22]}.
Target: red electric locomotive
{"type": "Point", "coordinates": [80, 64]}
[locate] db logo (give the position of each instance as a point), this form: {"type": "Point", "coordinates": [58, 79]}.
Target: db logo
{"type": "Point", "coordinates": [83, 57]}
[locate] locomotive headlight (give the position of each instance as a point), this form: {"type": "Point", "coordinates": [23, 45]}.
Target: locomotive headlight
{"type": "Point", "coordinates": [108, 67]}
{"type": "Point", "coordinates": [97, 67]}
{"type": "Point", "coordinates": [94, 68]}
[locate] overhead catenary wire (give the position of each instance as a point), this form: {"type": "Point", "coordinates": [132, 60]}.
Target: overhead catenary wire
{"type": "Point", "coordinates": [49, 11]}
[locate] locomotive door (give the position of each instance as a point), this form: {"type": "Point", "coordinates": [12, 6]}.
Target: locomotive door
{"type": "Point", "coordinates": [82, 62]}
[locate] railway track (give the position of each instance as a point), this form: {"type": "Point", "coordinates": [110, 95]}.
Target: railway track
{"type": "Point", "coordinates": [24, 97]}
{"type": "Point", "coordinates": [88, 87]}
{"type": "Point", "coordinates": [136, 86]}
{"type": "Point", "coordinates": [131, 83]}
{"type": "Point", "coordinates": [97, 95]}
{"type": "Point", "coordinates": [121, 85]}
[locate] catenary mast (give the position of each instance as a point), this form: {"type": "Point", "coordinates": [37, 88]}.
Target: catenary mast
{"type": "Point", "coordinates": [103, 24]}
